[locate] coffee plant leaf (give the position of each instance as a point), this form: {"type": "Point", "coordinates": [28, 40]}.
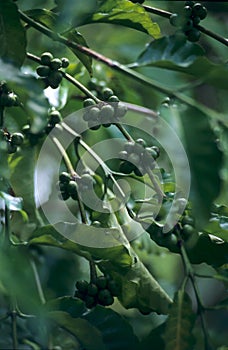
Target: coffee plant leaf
{"type": "Point", "coordinates": [13, 203]}
{"type": "Point", "coordinates": [178, 330]}
{"type": "Point", "coordinates": [176, 53]}
{"type": "Point", "coordinates": [12, 34]}
{"type": "Point", "coordinates": [88, 336]}
{"type": "Point", "coordinates": [125, 13]}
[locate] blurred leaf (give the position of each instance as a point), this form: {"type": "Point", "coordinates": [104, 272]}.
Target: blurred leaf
{"type": "Point", "coordinates": [22, 166]}
{"type": "Point", "coordinates": [13, 203]}
{"type": "Point", "coordinates": [176, 53]}
{"type": "Point", "coordinates": [43, 16]}
{"type": "Point", "coordinates": [48, 235]}
{"type": "Point", "coordinates": [139, 288]}
{"type": "Point", "coordinates": [178, 331]}
{"type": "Point", "coordinates": [72, 306]}
{"type": "Point", "coordinates": [116, 331]}
{"type": "Point", "coordinates": [127, 14]}
{"type": "Point", "coordinates": [155, 338]}
{"type": "Point", "coordinates": [218, 227]}
{"type": "Point", "coordinates": [12, 34]}
{"type": "Point", "coordinates": [88, 336]}
{"type": "Point", "coordinates": [205, 161]}
{"type": "Point", "coordinates": [74, 36]}
{"type": "Point", "coordinates": [4, 168]}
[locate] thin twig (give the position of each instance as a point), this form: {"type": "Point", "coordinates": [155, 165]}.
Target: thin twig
{"type": "Point", "coordinates": [65, 156]}
{"type": "Point", "coordinates": [38, 283]}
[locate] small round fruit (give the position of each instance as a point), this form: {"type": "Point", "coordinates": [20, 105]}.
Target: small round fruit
{"type": "Point", "coordinates": [26, 129]}
{"type": "Point", "coordinates": [105, 298]}
{"type": "Point", "coordinates": [199, 10]}
{"type": "Point", "coordinates": [82, 286]}
{"type": "Point", "coordinates": [96, 223]}
{"type": "Point", "coordinates": [72, 188]}
{"type": "Point", "coordinates": [121, 110]}
{"type": "Point", "coordinates": [55, 79]}
{"type": "Point", "coordinates": [141, 142]}
{"type": "Point", "coordinates": [171, 241]}
{"type": "Point", "coordinates": [88, 102]}
{"type": "Point", "coordinates": [46, 58]}
{"type": "Point", "coordinates": [144, 310]}
{"type": "Point", "coordinates": [92, 125]}
{"type": "Point", "coordinates": [129, 147]}
{"type": "Point", "coordinates": [79, 295]}
{"type": "Point", "coordinates": [134, 158]}
{"type": "Point", "coordinates": [94, 113]}
{"type": "Point", "coordinates": [193, 35]}
{"type": "Point", "coordinates": [189, 3]}
{"type": "Point", "coordinates": [64, 195]}
{"type": "Point", "coordinates": [90, 301]}
{"type": "Point", "coordinates": [126, 167]}
{"type": "Point", "coordinates": [56, 64]}
{"type": "Point", "coordinates": [188, 25]}
{"type": "Point", "coordinates": [17, 138]}
{"type": "Point", "coordinates": [174, 20]}
{"type": "Point", "coordinates": [123, 155]}
{"type": "Point", "coordinates": [202, 13]}
{"type": "Point", "coordinates": [55, 117]}
{"type": "Point", "coordinates": [64, 177]}
{"type": "Point", "coordinates": [11, 148]}
{"type": "Point", "coordinates": [65, 62]}
{"type": "Point", "coordinates": [113, 98]}
{"type": "Point", "coordinates": [7, 99]}
{"type": "Point", "coordinates": [107, 93]}
{"type": "Point", "coordinates": [187, 220]}
{"type": "Point", "coordinates": [101, 282]}
{"type": "Point", "coordinates": [188, 230]}
{"type": "Point", "coordinates": [43, 71]}
{"type": "Point", "coordinates": [92, 289]}
{"type": "Point", "coordinates": [139, 171]}
{"type": "Point", "coordinates": [106, 113]}
{"type": "Point", "coordinates": [196, 20]}
{"type": "Point", "coordinates": [187, 11]}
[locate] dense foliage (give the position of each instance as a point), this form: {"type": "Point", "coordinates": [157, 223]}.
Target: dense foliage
{"type": "Point", "coordinates": [113, 175]}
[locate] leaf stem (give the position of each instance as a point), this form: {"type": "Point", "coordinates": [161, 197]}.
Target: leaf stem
{"type": "Point", "coordinates": [13, 315]}
{"type": "Point", "coordinates": [65, 156]}
{"type": "Point", "coordinates": [38, 283]}
{"type": "Point", "coordinates": [124, 132]}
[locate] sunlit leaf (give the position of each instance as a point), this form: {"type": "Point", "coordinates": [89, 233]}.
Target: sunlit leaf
{"type": "Point", "coordinates": [125, 13]}
{"type": "Point", "coordinates": [12, 34]}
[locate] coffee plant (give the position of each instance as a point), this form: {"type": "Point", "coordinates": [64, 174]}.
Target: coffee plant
{"type": "Point", "coordinates": [113, 175]}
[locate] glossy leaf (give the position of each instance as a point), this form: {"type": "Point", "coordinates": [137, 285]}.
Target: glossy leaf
{"type": "Point", "coordinates": [205, 161]}
{"type": "Point", "coordinates": [178, 331]}
{"type": "Point", "coordinates": [12, 34]}
{"type": "Point", "coordinates": [46, 17]}
{"type": "Point", "coordinates": [116, 331]}
{"type": "Point", "coordinates": [74, 36]}
{"type": "Point", "coordinates": [176, 53]}
{"type": "Point", "coordinates": [86, 334]}
{"type": "Point", "coordinates": [127, 14]}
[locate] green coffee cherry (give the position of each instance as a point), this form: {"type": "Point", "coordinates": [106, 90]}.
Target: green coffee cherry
{"type": "Point", "coordinates": [123, 155]}
{"type": "Point", "coordinates": [121, 110]}
{"type": "Point", "coordinates": [188, 25]}
{"type": "Point", "coordinates": [126, 167]}
{"type": "Point", "coordinates": [106, 113]}
{"type": "Point", "coordinates": [187, 11]}
{"type": "Point", "coordinates": [65, 62]}
{"type": "Point", "coordinates": [92, 289]}
{"type": "Point", "coordinates": [55, 64]}
{"type": "Point", "coordinates": [90, 301]}
{"type": "Point", "coordinates": [17, 138]}
{"type": "Point", "coordinates": [94, 113]}
{"type": "Point", "coordinates": [187, 220]}
{"type": "Point", "coordinates": [114, 288]}
{"type": "Point", "coordinates": [175, 20]}
{"type": "Point", "coordinates": [46, 58]}
{"type": "Point", "coordinates": [141, 142]}
{"type": "Point", "coordinates": [72, 189]}
{"type": "Point", "coordinates": [11, 148]}
{"type": "Point", "coordinates": [196, 20]}
{"type": "Point", "coordinates": [107, 93]}
{"type": "Point", "coordinates": [187, 230]}
{"type": "Point", "coordinates": [101, 282]}
{"type": "Point", "coordinates": [113, 98]}
{"type": "Point", "coordinates": [89, 102]}
{"type": "Point", "coordinates": [105, 298]}
{"type": "Point", "coordinates": [55, 117]}
{"type": "Point", "coordinates": [9, 100]}
{"type": "Point", "coordinates": [55, 79]}
{"type": "Point", "coordinates": [82, 286]}
{"type": "Point", "coordinates": [193, 35]}
{"type": "Point", "coordinates": [189, 3]}
{"type": "Point", "coordinates": [64, 177]}
{"type": "Point", "coordinates": [43, 71]}
{"type": "Point", "coordinates": [64, 195]}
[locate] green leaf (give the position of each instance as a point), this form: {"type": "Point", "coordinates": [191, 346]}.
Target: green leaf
{"type": "Point", "coordinates": [178, 331]}
{"type": "Point", "coordinates": [87, 335]}
{"type": "Point", "coordinates": [176, 53]}
{"type": "Point", "coordinates": [13, 203]}
{"type": "Point", "coordinates": [117, 333]}
{"type": "Point", "coordinates": [205, 161]}
{"type": "Point", "coordinates": [48, 235]}
{"type": "Point", "coordinates": [155, 338]}
{"type": "Point", "coordinates": [127, 14]}
{"type": "Point", "coordinates": [218, 227]}
{"type": "Point", "coordinates": [12, 34]}
{"type": "Point", "coordinates": [74, 36]}
{"type": "Point", "coordinates": [4, 168]}
{"type": "Point", "coordinates": [72, 306]}
{"type": "Point", "coordinates": [22, 167]}
{"type": "Point", "coordinates": [139, 289]}
{"type": "Point", "coordinates": [43, 16]}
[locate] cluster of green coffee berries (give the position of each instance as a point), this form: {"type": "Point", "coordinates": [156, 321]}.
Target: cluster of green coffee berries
{"type": "Point", "coordinates": [13, 141]}
{"type": "Point", "coordinates": [138, 158]}
{"type": "Point", "coordinates": [101, 291]}
{"type": "Point", "coordinates": [70, 187]}
{"type": "Point", "coordinates": [54, 117]}
{"type": "Point", "coordinates": [104, 113]}
{"type": "Point", "coordinates": [7, 97]}
{"type": "Point", "coordinates": [189, 18]}
{"type": "Point", "coordinates": [49, 70]}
